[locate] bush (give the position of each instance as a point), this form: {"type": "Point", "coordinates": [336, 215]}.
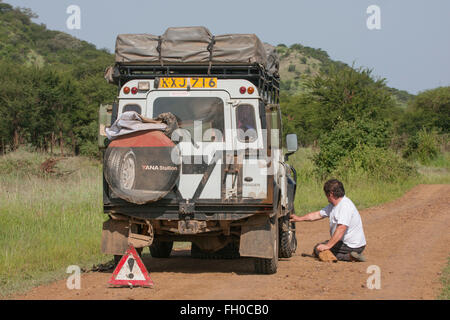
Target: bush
{"type": "Point", "coordinates": [374, 163]}
{"type": "Point", "coordinates": [347, 136]}
{"type": "Point", "coordinates": [423, 146]}
{"type": "Point", "coordinates": [349, 94]}
{"type": "Point", "coordinates": [285, 85]}
{"type": "Point", "coordinates": [89, 149]}
{"type": "Point", "coordinates": [21, 163]}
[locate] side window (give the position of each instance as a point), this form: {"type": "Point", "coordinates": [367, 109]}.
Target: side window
{"type": "Point", "coordinates": [275, 124]}
{"type": "Point", "coordinates": [132, 107]}
{"type": "Point", "coordinates": [246, 123]}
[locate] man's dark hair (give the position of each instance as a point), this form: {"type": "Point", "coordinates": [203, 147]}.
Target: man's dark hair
{"type": "Point", "coordinates": [334, 187]}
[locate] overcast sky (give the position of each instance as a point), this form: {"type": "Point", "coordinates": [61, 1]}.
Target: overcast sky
{"type": "Point", "coordinates": [411, 50]}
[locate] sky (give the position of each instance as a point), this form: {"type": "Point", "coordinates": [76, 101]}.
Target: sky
{"type": "Point", "coordinates": [410, 47]}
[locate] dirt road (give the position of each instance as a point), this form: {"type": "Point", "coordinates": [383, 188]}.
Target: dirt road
{"type": "Point", "coordinates": [408, 239]}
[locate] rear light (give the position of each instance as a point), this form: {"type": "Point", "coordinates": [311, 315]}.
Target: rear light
{"type": "Point", "coordinates": [250, 90]}
{"type": "Point", "coordinates": [243, 90]}
{"type": "Point", "coordinates": [134, 90]}
{"type": "Point", "coordinates": [126, 90]}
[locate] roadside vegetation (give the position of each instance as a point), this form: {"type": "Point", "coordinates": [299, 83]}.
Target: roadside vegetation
{"type": "Point", "coordinates": [49, 220]}
{"type": "Point", "coordinates": [354, 130]}
{"type": "Point", "coordinates": [365, 190]}
{"type": "Point", "coordinates": [445, 278]}
{"type": "Point", "coordinates": [351, 129]}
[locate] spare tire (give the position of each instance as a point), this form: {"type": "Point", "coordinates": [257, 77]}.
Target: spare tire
{"type": "Point", "coordinates": [142, 167]}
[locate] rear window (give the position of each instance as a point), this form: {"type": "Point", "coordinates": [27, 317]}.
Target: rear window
{"type": "Point", "coordinates": [246, 123]}
{"type": "Point", "coordinates": [208, 110]}
{"type": "Point", "coordinates": [132, 107]}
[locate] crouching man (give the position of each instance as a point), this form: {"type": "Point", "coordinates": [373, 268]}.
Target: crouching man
{"type": "Point", "coordinates": [347, 235]}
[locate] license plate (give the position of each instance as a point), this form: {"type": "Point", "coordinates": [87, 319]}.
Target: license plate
{"type": "Point", "coordinates": [182, 83]}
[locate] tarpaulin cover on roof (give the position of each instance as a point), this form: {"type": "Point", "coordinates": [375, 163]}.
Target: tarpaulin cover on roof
{"type": "Point", "coordinates": [195, 45]}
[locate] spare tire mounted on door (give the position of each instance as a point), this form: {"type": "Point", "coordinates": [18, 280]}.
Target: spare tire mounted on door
{"type": "Point", "coordinates": [142, 166]}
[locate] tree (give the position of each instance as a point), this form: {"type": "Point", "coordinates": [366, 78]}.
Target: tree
{"type": "Point", "coordinates": [430, 110]}
{"type": "Point", "coordinates": [16, 100]}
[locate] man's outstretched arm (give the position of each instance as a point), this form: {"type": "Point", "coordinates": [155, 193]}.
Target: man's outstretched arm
{"type": "Point", "coordinates": [312, 216]}
{"type": "Point", "coordinates": [337, 236]}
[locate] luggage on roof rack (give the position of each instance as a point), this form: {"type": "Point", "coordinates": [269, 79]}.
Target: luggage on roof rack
{"type": "Point", "coordinates": [194, 46]}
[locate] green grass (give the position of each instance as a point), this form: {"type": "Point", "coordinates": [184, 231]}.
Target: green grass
{"type": "Point", "coordinates": [47, 222]}
{"type": "Point", "coordinates": [445, 278]}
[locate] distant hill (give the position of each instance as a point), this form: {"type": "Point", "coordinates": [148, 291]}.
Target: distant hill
{"type": "Point", "coordinates": [299, 62]}
{"type": "Point", "coordinates": [24, 41]}
{"type": "Point", "coordinates": [54, 77]}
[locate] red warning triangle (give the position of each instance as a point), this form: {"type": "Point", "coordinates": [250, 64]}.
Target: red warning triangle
{"type": "Point", "coordinates": [130, 272]}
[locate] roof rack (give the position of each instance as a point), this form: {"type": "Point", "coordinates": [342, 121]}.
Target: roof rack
{"type": "Point", "coordinates": [267, 84]}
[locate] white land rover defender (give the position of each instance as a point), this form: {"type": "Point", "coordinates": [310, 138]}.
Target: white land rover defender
{"type": "Point", "coordinates": [196, 154]}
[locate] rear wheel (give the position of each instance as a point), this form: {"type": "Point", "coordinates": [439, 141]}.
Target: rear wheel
{"type": "Point", "coordinates": [269, 266]}
{"type": "Point", "coordinates": [161, 249]}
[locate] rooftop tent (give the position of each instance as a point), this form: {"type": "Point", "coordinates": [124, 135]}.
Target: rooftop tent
{"type": "Point", "coordinates": [273, 60]}
{"type": "Point", "coordinates": [239, 48]}
{"type": "Point", "coordinates": [137, 48]}
{"type": "Point", "coordinates": [186, 45]}
{"type": "Point", "coordinates": [195, 45]}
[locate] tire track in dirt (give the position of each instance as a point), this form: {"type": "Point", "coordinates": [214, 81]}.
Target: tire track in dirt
{"type": "Point", "coordinates": [407, 238]}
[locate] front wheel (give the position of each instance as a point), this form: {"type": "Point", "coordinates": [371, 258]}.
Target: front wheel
{"type": "Point", "coordinates": [288, 240]}
{"type": "Point", "coordinates": [269, 266]}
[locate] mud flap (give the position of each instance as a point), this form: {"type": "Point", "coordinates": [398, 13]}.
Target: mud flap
{"type": "Point", "coordinates": [115, 237]}
{"type": "Point", "coordinates": [257, 238]}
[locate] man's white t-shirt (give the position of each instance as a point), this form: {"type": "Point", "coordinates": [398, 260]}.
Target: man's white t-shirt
{"type": "Point", "coordinates": [346, 213]}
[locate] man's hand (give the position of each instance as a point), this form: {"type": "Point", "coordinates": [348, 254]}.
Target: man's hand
{"type": "Point", "coordinates": [337, 236]}
{"type": "Point", "coordinates": [294, 218]}
{"type": "Point", "coordinates": [323, 247]}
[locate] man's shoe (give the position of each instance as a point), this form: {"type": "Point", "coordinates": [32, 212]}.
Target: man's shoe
{"type": "Point", "coordinates": [355, 256]}
{"type": "Point", "coordinates": [327, 256]}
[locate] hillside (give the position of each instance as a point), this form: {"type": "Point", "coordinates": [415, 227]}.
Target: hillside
{"type": "Point", "coordinates": [26, 42]}
{"type": "Point", "coordinates": [54, 77]}
{"type": "Point", "coordinates": [298, 62]}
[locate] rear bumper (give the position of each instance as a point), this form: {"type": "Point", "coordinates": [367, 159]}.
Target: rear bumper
{"type": "Point", "coordinates": [201, 212]}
